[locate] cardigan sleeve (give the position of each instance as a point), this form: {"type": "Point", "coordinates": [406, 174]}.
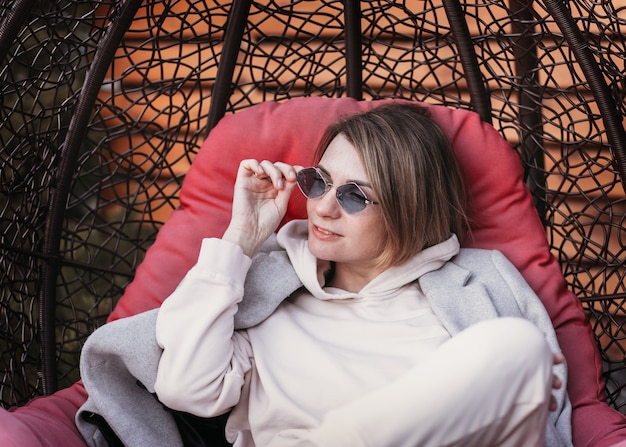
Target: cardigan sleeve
{"type": "Point", "coordinates": [533, 310]}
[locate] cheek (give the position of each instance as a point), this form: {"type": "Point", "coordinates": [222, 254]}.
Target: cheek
{"type": "Point", "coordinates": [378, 242]}
{"type": "Point", "coordinates": [371, 233]}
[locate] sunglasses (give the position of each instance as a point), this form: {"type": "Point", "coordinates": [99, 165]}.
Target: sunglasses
{"type": "Point", "coordinates": [350, 196]}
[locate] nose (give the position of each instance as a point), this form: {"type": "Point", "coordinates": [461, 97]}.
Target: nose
{"type": "Point", "coordinates": [327, 204]}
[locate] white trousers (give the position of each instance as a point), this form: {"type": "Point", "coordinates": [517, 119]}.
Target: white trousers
{"type": "Point", "coordinates": [488, 386]}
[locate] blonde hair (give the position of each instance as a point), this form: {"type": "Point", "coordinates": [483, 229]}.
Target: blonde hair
{"type": "Point", "coordinates": [414, 172]}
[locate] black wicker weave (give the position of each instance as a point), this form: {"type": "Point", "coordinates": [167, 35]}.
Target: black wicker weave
{"type": "Point", "coordinates": [105, 103]}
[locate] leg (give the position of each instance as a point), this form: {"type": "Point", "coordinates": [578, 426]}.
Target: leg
{"type": "Point", "coordinates": [488, 386]}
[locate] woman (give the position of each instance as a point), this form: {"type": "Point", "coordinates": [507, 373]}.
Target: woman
{"type": "Point", "coordinates": [394, 338]}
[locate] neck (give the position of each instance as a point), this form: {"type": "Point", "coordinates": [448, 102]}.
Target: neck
{"type": "Point", "coordinates": [350, 278]}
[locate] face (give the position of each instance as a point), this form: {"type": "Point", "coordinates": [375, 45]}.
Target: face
{"type": "Point", "coordinates": [353, 241]}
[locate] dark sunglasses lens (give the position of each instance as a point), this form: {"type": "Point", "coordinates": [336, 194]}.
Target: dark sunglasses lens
{"type": "Point", "coordinates": [311, 183]}
{"type": "Point", "coordinates": [351, 198]}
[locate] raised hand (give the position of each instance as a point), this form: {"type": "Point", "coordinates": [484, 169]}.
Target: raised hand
{"type": "Point", "coordinates": [262, 191]}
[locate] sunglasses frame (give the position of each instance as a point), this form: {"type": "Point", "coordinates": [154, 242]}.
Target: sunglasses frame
{"type": "Point", "coordinates": [340, 190]}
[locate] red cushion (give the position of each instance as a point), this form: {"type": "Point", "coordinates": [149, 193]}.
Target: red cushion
{"type": "Point", "coordinates": [44, 421]}
{"type": "Point", "coordinates": [502, 210]}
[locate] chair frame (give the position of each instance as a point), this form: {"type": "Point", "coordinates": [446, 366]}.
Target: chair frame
{"type": "Point", "coordinates": [31, 365]}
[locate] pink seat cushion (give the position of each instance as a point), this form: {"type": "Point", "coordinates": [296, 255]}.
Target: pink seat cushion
{"type": "Point", "coordinates": [45, 421]}
{"type": "Point", "coordinates": [502, 210]}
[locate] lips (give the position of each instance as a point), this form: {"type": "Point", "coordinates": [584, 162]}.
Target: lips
{"type": "Point", "coordinates": [323, 233]}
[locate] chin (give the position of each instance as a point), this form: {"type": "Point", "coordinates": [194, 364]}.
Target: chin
{"type": "Point", "coordinates": [321, 253]}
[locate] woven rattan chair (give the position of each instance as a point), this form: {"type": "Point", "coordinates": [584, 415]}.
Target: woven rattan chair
{"type": "Point", "coordinates": [106, 103]}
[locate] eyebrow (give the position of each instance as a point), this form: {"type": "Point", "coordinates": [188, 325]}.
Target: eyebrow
{"type": "Point", "coordinates": [358, 182]}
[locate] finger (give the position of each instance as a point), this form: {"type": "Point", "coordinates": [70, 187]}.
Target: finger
{"type": "Point", "coordinates": [251, 168]}
{"type": "Point", "coordinates": [289, 171]}
{"type": "Point", "coordinates": [557, 358]}
{"type": "Point", "coordinates": [269, 172]}
{"type": "Point", "coordinates": [278, 172]}
{"type": "Point", "coordinates": [553, 404]}
{"type": "Point", "coordinates": [556, 382]}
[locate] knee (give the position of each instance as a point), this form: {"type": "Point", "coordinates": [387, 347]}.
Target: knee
{"type": "Point", "coordinates": [516, 341]}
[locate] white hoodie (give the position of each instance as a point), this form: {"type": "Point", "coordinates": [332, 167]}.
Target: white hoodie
{"type": "Point", "coordinates": [321, 348]}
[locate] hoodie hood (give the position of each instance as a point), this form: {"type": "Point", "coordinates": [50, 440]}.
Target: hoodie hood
{"type": "Point", "coordinates": [293, 237]}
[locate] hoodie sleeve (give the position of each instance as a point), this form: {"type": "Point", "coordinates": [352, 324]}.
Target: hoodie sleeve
{"type": "Point", "coordinates": [204, 360]}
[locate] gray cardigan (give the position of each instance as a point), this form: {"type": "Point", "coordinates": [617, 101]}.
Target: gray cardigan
{"type": "Point", "coordinates": [475, 285]}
